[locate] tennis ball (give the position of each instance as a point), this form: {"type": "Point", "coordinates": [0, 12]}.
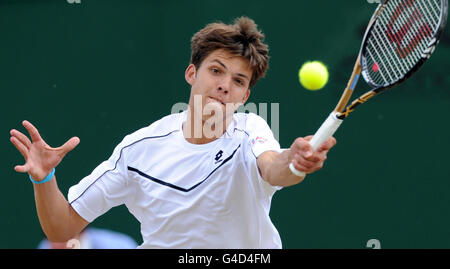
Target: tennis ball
{"type": "Point", "coordinates": [313, 75]}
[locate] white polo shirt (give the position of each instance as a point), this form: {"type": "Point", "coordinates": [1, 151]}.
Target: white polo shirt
{"type": "Point", "coordinates": [187, 195]}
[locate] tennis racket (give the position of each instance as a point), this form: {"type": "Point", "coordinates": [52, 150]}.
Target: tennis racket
{"type": "Point", "coordinates": [400, 37]}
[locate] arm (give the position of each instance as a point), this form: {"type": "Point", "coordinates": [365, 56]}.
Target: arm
{"type": "Point", "coordinates": [274, 166]}
{"type": "Point", "coordinates": [58, 219]}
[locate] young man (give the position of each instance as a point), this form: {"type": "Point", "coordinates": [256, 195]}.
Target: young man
{"type": "Point", "coordinates": [198, 179]}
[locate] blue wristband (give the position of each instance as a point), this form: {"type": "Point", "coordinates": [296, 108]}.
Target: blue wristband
{"type": "Point", "coordinates": [46, 179]}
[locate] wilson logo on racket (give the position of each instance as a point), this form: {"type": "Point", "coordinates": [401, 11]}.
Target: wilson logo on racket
{"type": "Point", "coordinates": [415, 22]}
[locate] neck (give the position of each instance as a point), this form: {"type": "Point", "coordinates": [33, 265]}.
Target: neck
{"type": "Point", "coordinates": [203, 131]}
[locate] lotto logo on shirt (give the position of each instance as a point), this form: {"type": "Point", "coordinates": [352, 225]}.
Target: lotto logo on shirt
{"type": "Point", "coordinates": [259, 139]}
{"type": "Point", "coordinates": [219, 156]}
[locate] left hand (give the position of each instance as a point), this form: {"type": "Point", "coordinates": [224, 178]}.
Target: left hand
{"type": "Point", "coordinates": [305, 159]}
{"type": "Point", "coordinates": [40, 158]}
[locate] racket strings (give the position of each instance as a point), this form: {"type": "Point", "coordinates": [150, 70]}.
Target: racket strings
{"type": "Point", "coordinates": [399, 38]}
{"type": "Point", "coordinates": [403, 34]}
{"type": "Point", "coordinates": [401, 65]}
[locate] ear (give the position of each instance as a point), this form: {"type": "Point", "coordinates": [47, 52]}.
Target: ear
{"type": "Point", "coordinates": [246, 96]}
{"type": "Point", "coordinates": [190, 74]}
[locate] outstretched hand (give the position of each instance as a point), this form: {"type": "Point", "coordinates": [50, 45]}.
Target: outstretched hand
{"type": "Point", "coordinates": [40, 158]}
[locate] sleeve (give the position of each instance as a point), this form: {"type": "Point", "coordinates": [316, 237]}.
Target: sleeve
{"type": "Point", "coordinates": [260, 140]}
{"type": "Point", "coordinates": [106, 187]}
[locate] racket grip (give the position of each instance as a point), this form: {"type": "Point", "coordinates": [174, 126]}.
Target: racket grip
{"type": "Point", "coordinates": [328, 128]}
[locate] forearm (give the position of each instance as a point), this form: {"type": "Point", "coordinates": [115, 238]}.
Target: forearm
{"type": "Point", "coordinates": [54, 212]}
{"type": "Point", "coordinates": [277, 172]}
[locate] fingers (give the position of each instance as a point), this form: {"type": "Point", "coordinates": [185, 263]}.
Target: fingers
{"type": "Point", "coordinates": [300, 165]}
{"type": "Point", "coordinates": [302, 145]}
{"type": "Point", "coordinates": [305, 163]}
{"type": "Point", "coordinates": [22, 168]}
{"type": "Point", "coordinates": [302, 148]}
{"type": "Point", "coordinates": [34, 134]}
{"type": "Point", "coordinates": [24, 151]}
{"type": "Point", "coordinates": [326, 146]}
{"type": "Point", "coordinates": [21, 137]}
{"type": "Point", "coordinates": [303, 152]}
{"type": "Point", "coordinates": [305, 158]}
{"type": "Point", "coordinates": [20, 147]}
{"type": "Point", "coordinates": [70, 145]}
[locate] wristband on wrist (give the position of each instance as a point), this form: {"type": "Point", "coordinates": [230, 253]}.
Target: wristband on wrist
{"type": "Point", "coordinates": [46, 179]}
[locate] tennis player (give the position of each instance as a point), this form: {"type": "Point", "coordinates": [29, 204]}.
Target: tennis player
{"type": "Point", "coordinates": [194, 179]}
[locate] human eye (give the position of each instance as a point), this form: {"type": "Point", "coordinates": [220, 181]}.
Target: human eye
{"type": "Point", "coordinates": [242, 82]}
{"type": "Point", "coordinates": [215, 70]}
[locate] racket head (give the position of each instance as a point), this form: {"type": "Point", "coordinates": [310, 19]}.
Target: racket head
{"type": "Point", "coordinates": [401, 36]}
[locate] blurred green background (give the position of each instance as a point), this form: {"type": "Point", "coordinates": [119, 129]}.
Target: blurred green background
{"type": "Point", "coordinates": [102, 69]}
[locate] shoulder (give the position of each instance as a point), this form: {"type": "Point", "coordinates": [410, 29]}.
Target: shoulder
{"type": "Point", "coordinates": [249, 122]}
{"type": "Point", "coordinates": [160, 128]}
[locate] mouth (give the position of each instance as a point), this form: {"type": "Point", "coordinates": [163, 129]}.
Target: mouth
{"type": "Point", "coordinates": [217, 100]}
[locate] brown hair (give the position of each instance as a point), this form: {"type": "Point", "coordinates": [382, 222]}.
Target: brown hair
{"type": "Point", "coordinates": [241, 38]}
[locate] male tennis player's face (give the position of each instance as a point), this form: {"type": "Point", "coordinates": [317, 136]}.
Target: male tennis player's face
{"type": "Point", "coordinates": [221, 83]}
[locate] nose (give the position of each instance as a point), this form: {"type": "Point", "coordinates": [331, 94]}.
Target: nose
{"type": "Point", "coordinates": [221, 89]}
{"type": "Point", "coordinates": [224, 85]}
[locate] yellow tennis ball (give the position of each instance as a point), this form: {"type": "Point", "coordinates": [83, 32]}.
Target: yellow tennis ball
{"type": "Point", "coordinates": [313, 75]}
